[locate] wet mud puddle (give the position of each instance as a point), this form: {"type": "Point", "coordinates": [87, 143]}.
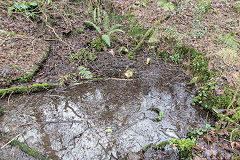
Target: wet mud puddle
{"type": "Point", "coordinates": [72, 124]}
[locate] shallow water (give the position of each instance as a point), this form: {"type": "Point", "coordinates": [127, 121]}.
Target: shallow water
{"type": "Point", "coordinates": [71, 123]}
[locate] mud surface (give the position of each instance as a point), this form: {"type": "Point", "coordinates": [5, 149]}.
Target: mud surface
{"type": "Point", "coordinates": [72, 123]}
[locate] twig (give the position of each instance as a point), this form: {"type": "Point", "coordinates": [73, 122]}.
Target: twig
{"type": "Point", "coordinates": [13, 139]}
{"type": "Point", "coordinates": [50, 122]}
{"type": "Point", "coordinates": [119, 79]}
{"type": "Point", "coordinates": [9, 97]}
{"type": "Point", "coordinates": [232, 133]}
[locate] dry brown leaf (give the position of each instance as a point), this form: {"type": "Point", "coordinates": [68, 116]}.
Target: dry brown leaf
{"type": "Point", "coordinates": [235, 145]}
{"type": "Point", "coordinates": [112, 52]}
{"type": "Point", "coordinates": [197, 146]}
{"type": "Point", "coordinates": [226, 147]}
{"type": "Point", "coordinates": [208, 138]}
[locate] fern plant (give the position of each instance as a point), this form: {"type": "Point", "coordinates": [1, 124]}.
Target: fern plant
{"type": "Point", "coordinates": [107, 29]}
{"type": "Point", "coordinates": [84, 73]}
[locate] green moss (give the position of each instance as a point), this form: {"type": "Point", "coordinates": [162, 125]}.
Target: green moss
{"type": "Point", "coordinates": [236, 6]}
{"type": "Point", "coordinates": [198, 65]}
{"type": "Point", "coordinates": [97, 45]}
{"type": "Point", "coordinates": [31, 75]}
{"type": "Point", "coordinates": [80, 30]}
{"type": "Point", "coordinates": [236, 157]}
{"type": "Point", "coordinates": [146, 35]}
{"type": "Point", "coordinates": [158, 111]}
{"type": "Point", "coordinates": [1, 112]}
{"type": "Point", "coordinates": [162, 145]}
{"type": "Point", "coordinates": [207, 98]}
{"type": "Point", "coordinates": [29, 150]}
{"type": "Point", "coordinates": [146, 147]}
{"type": "Point", "coordinates": [185, 147]}
{"type": "Point", "coordinates": [25, 89]}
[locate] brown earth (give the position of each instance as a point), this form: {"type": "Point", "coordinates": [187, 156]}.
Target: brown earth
{"type": "Point", "coordinates": [20, 52]}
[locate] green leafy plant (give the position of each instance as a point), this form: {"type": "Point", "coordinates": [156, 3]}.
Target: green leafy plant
{"type": "Point", "coordinates": [205, 5]}
{"type": "Point", "coordinates": [141, 4]}
{"type": "Point", "coordinates": [80, 30]}
{"type": "Point", "coordinates": [83, 55]}
{"type": "Point", "coordinates": [108, 30]}
{"type": "Point", "coordinates": [98, 45]}
{"type": "Point", "coordinates": [28, 8]}
{"type": "Point", "coordinates": [84, 73]}
{"type": "Point", "coordinates": [63, 79]}
{"type": "Point", "coordinates": [167, 6]}
{"type": "Point", "coordinates": [199, 131]}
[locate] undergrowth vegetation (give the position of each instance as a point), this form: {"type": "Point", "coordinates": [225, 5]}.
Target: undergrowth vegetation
{"type": "Point", "coordinates": [109, 30]}
{"type": "Point", "coordinates": [101, 34]}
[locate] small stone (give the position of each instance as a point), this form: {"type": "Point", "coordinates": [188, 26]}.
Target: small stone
{"type": "Point", "coordinates": [207, 153]}
{"type": "Point", "coordinates": [133, 156]}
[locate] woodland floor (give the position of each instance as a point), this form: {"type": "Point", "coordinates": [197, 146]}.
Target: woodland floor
{"type": "Point", "coordinates": [21, 51]}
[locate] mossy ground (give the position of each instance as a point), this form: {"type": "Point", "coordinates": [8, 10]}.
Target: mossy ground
{"type": "Point", "coordinates": [29, 150]}
{"type": "Point", "coordinates": [25, 89]}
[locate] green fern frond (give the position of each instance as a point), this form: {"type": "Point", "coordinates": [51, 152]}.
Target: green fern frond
{"type": "Point", "coordinates": [115, 26]}
{"type": "Point", "coordinates": [99, 16]}
{"type": "Point", "coordinates": [84, 73]}
{"type": "Point", "coordinates": [95, 15]}
{"type": "Point", "coordinates": [114, 30]}
{"type": "Point", "coordinates": [91, 24]}
{"type": "Point", "coordinates": [106, 39]}
{"type": "Point", "coordinates": [106, 21]}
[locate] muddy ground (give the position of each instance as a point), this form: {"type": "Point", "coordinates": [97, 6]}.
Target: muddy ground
{"type": "Point", "coordinates": [59, 31]}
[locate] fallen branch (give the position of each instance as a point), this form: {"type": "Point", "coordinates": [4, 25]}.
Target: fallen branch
{"type": "Point", "coordinates": [50, 122]}
{"type": "Point", "coordinates": [147, 34]}
{"type": "Point", "coordinates": [12, 139]}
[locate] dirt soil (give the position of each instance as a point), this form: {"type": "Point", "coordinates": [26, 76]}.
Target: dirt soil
{"type": "Point", "coordinates": [24, 41]}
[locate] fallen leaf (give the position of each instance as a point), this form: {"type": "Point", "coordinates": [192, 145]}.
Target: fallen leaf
{"type": "Point", "coordinates": [108, 130]}
{"type": "Point", "coordinates": [112, 52]}
{"type": "Point", "coordinates": [208, 138]}
{"type": "Point", "coordinates": [226, 147]}
{"type": "Point", "coordinates": [128, 73]}
{"type": "Point", "coordinates": [235, 145]}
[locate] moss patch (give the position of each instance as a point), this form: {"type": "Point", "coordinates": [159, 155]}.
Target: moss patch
{"type": "Point", "coordinates": [25, 89]}
{"type": "Point", "coordinates": [185, 147]}
{"type": "Point", "coordinates": [162, 145]}
{"type": "Point", "coordinates": [146, 147]}
{"type": "Point", "coordinates": [30, 76]}
{"type": "Point", "coordinates": [158, 111]}
{"type": "Point", "coordinates": [1, 112]}
{"type": "Point", "coordinates": [29, 150]}
{"type": "Point", "coordinates": [97, 45]}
